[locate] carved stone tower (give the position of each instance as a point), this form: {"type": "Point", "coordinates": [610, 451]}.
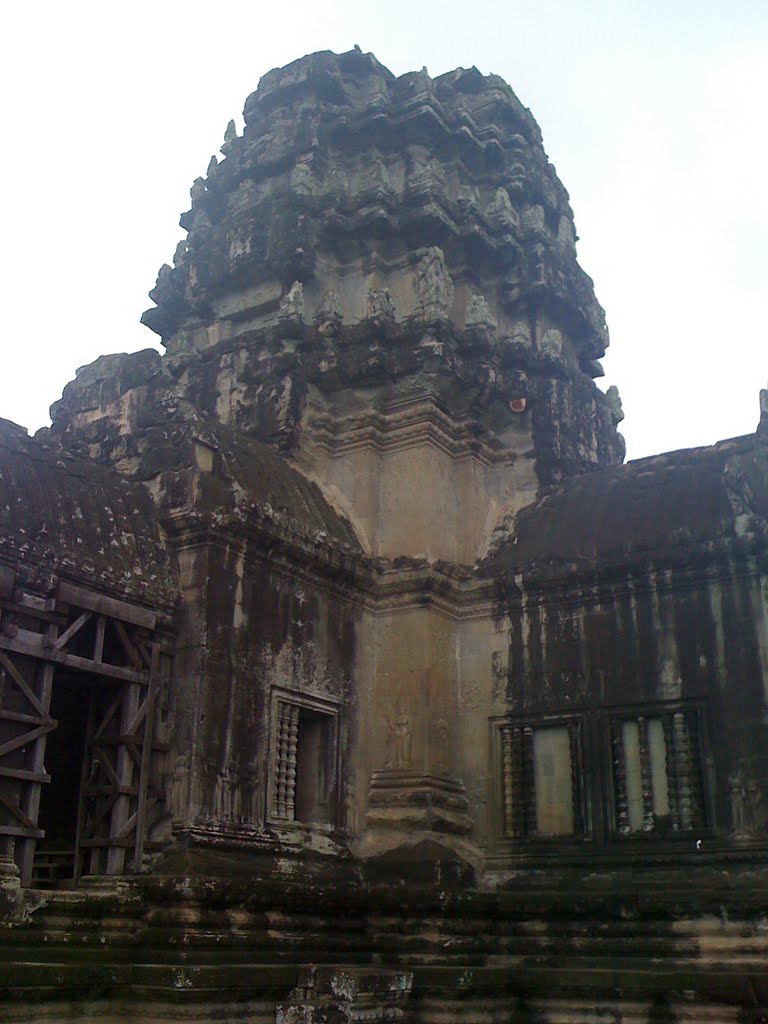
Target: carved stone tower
{"type": "Point", "coordinates": [380, 278]}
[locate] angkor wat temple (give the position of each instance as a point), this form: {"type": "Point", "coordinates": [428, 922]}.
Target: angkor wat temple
{"type": "Point", "coordinates": [347, 671]}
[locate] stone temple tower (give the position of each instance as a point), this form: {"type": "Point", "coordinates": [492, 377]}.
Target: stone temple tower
{"type": "Point", "coordinates": [351, 588]}
{"type": "Point", "coordinates": [380, 280]}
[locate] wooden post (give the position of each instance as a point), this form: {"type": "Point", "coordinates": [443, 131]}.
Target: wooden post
{"type": "Point", "coordinates": [121, 808]}
{"type": "Point", "coordinates": [84, 770]}
{"type": "Point", "coordinates": [30, 800]}
{"type": "Point", "coordinates": [146, 756]}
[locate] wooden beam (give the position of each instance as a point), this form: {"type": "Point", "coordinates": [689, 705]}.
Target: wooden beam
{"type": "Point", "coordinates": [98, 647]}
{"type": "Point", "coordinates": [118, 741]}
{"type": "Point", "coordinates": [70, 631]}
{"type": "Point", "coordinates": [67, 593]}
{"type": "Point", "coordinates": [22, 607]}
{"type": "Point", "coordinates": [22, 684]}
{"type": "Point", "coordinates": [7, 715]}
{"type": "Point", "coordinates": [17, 812]}
{"type": "Point", "coordinates": [31, 644]}
{"type": "Point", "coordinates": [109, 714]}
{"type": "Point", "coordinates": [139, 716]}
{"type": "Point", "coordinates": [113, 843]}
{"type": "Point", "coordinates": [109, 771]}
{"type": "Point", "coordinates": [102, 791]}
{"type": "Point", "coordinates": [24, 773]}
{"type": "Point", "coordinates": [25, 738]}
{"type": "Point", "coordinates": [24, 833]}
{"type": "Point", "coordinates": [125, 640]}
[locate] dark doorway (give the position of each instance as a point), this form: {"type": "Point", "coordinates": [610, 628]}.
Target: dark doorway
{"type": "Point", "coordinates": [59, 799]}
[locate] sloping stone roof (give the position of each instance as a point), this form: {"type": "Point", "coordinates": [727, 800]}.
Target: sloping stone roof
{"type": "Point", "coordinates": [686, 500]}
{"type": "Point", "coordinates": [254, 475]}
{"type": "Point", "coordinates": [155, 437]}
{"type": "Point", "coordinates": [63, 516]}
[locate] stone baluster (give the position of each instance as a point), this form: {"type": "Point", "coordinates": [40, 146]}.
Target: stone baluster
{"type": "Point", "coordinates": [619, 778]}
{"type": "Point", "coordinates": [529, 782]}
{"type": "Point", "coordinates": [281, 774]}
{"type": "Point", "coordinates": [646, 780]}
{"type": "Point", "coordinates": [575, 752]}
{"type": "Point", "coordinates": [509, 790]}
{"type": "Point", "coordinates": [291, 759]}
{"type": "Point", "coordinates": [669, 748]}
{"type": "Point", "coordinates": [683, 769]}
{"type": "Point", "coordinates": [518, 786]}
{"type": "Point", "coordinates": [279, 808]}
{"type": "Point", "coordinates": [697, 781]}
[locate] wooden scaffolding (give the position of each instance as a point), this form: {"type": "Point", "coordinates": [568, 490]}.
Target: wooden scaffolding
{"type": "Point", "coordinates": [112, 650]}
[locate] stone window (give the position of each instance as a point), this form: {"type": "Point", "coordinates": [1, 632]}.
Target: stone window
{"type": "Point", "coordinates": [303, 761]}
{"type": "Point", "coordinates": [658, 783]}
{"type": "Point", "coordinates": [541, 779]}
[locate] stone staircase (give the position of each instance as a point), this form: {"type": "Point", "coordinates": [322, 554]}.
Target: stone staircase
{"type": "Point", "coordinates": [111, 952]}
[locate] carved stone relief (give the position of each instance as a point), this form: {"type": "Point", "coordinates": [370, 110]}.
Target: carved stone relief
{"type": "Point", "coordinates": [433, 286]}
{"type": "Point", "coordinates": [399, 741]}
{"type": "Point", "coordinates": [749, 802]}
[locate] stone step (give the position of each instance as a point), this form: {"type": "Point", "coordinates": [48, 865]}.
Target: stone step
{"type": "Point", "coordinates": [195, 982]}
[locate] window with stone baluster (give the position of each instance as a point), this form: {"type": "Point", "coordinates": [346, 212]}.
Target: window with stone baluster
{"type": "Point", "coordinates": [303, 760]}
{"type": "Point", "coordinates": [658, 782]}
{"type": "Point", "coordinates": [542, 794]}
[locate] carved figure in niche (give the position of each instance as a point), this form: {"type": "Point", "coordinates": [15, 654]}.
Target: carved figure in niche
{"type": "Point", "coordinates": [302, 181]}
{"type": "Point", "coordinates": [329, 312]}
{"type": "Point", "coordinates": [400, 738]}
{"type": "Point", "coordinates": [479, 316]}
{"type": "Point", "coordinates": [375, 183]}
{"type": "Point", "coordinates": [428, 178]}
{"type": "Point", "coordinates": [251, 802]}
{"type": "Point", "coordinates": [551, 343]}
{"type": "Point", "coordinates": [749, 803]}
{"type": "Point", "coordinates": [500, 211]}
{"type": "Point", "coordinates": [441, 746]}
{"type": "Point", "coordinates": [179, 786]}
{"type": "Point", "coordinates": [292, 304]}
{"type": "Point", "coordinates": [380, 305]}
{"type": "Point", "coordinates": [433, 285]}
{"type": "Point", "coordinates": [737, 799]}
{"type": "Point", "coordinates": [756, 806]}
{"type": "Point", "coordinates": [222, 795]}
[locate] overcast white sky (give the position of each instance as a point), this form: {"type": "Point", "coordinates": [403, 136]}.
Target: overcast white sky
{"type": "Point", "coordinates": [654, 114]}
